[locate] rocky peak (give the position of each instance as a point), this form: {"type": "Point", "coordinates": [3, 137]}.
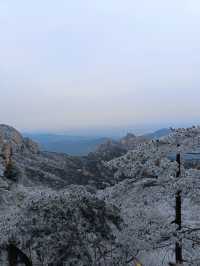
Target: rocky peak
{"type": "Point", "coordinates": [11, 141]}
{"type": "Point", "coordinates": [130, 136]}
{"type": "Point", "coordinates": [11, 135]}
{"type": "Point", "coordinates": [11, 144]}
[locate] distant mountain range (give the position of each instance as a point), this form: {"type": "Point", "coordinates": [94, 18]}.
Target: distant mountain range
{"type": "Point", "coordinates": [73, 145]}
{"type": "Point", "coordinates": [78, 145]}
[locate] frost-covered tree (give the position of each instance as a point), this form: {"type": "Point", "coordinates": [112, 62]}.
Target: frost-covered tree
{"type": "Point", "coordinates": [72, 226]}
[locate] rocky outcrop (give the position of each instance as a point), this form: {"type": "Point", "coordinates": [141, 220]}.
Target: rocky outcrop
{"type": "Point", "coordinates": [12, 146]}
{"type": "Point", "coordinates": [112, 149]}
{"type": "Point", "coordinates": [10, 135]}
{"type": "Point", "coordinates": [12, 142]}
{"type": "Point", "coordinates": [130, 141]}
{"type": "Point", "coordinates": [32, 146]}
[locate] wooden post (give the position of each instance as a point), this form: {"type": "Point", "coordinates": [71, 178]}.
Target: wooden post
{"type": "Point", "coordinates": [178, 213]}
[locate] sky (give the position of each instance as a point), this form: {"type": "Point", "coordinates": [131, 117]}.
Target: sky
{"type": "Point", "coordinates": [69, 65]}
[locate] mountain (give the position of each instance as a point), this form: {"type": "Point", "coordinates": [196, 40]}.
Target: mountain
{"type": "Point", "coordinates": [115, 148]}
{"type": "Point", "coordinates": [158, 134]}
{"type": "Point", "coordinates": [48, 207]}
{"type": "Point", "coordinates": [25, 163]}
{"type": "Point", "coordinates": [72, 145]}
{"type": "Point", "coordinates": [114, 206]}
{"type": "Point", "coordinates": [81, 145]}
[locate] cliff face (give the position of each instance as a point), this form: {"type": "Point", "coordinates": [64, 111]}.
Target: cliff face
{"type": "Point", "coordinates": [12, 140]}
{"type": "Point", "coordinates": [9, 134]}
{"type": "Point", "coordinates": [12, 144]}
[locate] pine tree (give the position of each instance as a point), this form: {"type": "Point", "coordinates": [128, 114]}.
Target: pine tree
{"type": "Point", "coordinates": [11, 172]}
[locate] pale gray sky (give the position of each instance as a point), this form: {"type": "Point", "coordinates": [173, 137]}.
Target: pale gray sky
{"type": "Point", "coordinates": [94, 63]}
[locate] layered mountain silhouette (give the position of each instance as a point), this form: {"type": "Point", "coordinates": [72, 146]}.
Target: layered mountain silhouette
{"type": "Point", "coordinates": [79, 145]}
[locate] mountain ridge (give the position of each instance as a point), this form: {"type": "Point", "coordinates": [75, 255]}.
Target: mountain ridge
{"type": "Point", "coordinates": [81, 145]}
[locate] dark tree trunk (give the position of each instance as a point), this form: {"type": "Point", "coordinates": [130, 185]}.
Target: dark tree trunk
{"type": "Point", "coordinates": [12, 255]}
{"type": "Point", "coordinates": [15, 256]}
